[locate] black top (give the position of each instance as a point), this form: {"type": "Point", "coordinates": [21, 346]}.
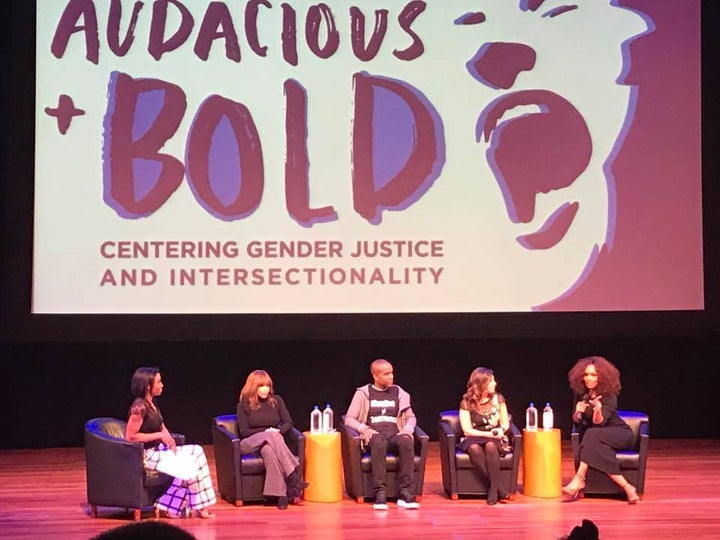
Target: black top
{"type": "Point", "coordinates": [487, 415]}
{"type": "Point", "coordinates": [609, 412]}
{"type": "Point", "coordinates": [152, 418]}
{"type": "Point", "coordinates": [384, 409]}
{"type": "Point", "coordinates": [251, 422]}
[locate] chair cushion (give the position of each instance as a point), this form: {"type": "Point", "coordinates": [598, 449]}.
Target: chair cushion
{"type": "Point", "coordinates": [462, 460]}
{"type": "Point", "coordinates": [156, 478]}
{"type": "Point", "coordinates": [252, 464]}
{"type": "Point", "coordinates": [628, 459]}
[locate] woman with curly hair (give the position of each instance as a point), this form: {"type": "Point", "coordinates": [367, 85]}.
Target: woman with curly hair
{"type": "Point", "coordinates": [484, 421]}
{"type": "Point", "coordinates": [263, 420]}
{"type": "Point", "coordinates": [596, 384]}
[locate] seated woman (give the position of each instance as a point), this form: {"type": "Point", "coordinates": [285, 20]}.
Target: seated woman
{"type": "Point", "coordinates": [485, 421]}
{"type": "Point", "coordinates": [262, 421]}
{"type": "Point", "coordinates": [194, 492]}
{"type": "Point", "coordinates": [596, 384]}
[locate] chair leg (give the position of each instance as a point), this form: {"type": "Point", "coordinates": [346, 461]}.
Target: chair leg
{"type": "Point", "coordinates": [136, 514]}
{"type": "Point", "coordinates": [238, 502]}
{"type": "Point", "coordinates": [156, 512]}
{"type": "Point", "coordinates": [454, 496]}
{"type": "Point", "coordinates": [360, 499]}
{"type": "Point", "coordinates": [93, 510]}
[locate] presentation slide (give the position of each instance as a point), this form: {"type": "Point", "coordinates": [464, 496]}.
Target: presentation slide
{"type": "Point", "coordinates": [367, 156]}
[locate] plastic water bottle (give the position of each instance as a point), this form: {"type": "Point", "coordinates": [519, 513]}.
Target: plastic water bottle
{"type": "Point", "coordinates": [547, 417]}
{"type": "Point", "coordinates": [327, 419]}
{"type": "Point", "coordinates": [316, 420]}
{"type": "Point", "coordinates": [531, 418]}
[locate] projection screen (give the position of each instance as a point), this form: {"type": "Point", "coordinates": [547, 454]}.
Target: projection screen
{"type": "Point", "coordinates": [259, 157]}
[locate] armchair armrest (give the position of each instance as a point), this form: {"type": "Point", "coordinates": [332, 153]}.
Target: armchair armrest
{"type": "Point", "coordinates": [421, 441]}
{"type": "Point", "coordinates": [295, 440]}
{"type": "Point", "coordinates": [114, 469]}
{"type": "Point", "coordinates": [228, 462]}
{"type": "Point", "coordinates": [179, 438]}
{"type": "Point", "coordinates": [351, 444]}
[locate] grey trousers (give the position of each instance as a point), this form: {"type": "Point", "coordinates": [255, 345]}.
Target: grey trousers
{"type": "Point", "coordinates": [278, 459]}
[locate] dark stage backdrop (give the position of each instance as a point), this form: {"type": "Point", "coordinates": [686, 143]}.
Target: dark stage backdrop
{"type": "Point", "coordinates": [55, 387]}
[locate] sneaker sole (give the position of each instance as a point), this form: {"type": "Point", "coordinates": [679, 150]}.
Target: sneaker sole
{"type": "Point", "coordinates": [380, 506]}
{"type": "Point", "coordinates": [409, 505]}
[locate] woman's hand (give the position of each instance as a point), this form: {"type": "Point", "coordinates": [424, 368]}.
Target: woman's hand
{"type": "Point", "coordinates": [596, 403]}
{"type": "Point", "coordinates": [581, 407]}
{"type": "Point", "coordinates": [497, 432]}
{"type": "Point", "coordinates": [272, 429]}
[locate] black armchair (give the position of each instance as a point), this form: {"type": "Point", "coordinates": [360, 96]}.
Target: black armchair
{"type": "Point", "coordinates": [357, 465]}
{"type": "Point", "coordinates": [115, 473]}
{"type": "Point", "coordinates": [459, 475]}
{"type": "Point", "coordinates": [241, 477]}
{"type": "Point", "coordinates": [632, 460]}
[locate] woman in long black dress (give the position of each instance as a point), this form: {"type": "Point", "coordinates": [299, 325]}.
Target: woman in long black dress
{"type": "Point", "coordinates": [596, 384]}
{"type": "Point", "coordinates": [485, 421]}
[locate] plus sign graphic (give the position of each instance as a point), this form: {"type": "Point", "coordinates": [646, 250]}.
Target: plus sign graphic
{"type": "Point", "coordinates": [64, 112]}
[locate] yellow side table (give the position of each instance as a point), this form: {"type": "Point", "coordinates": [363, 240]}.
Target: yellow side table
{"type": "Point", "coordinates": [542, 458]}
{"type": "Point", "coordinates": [323, 467]}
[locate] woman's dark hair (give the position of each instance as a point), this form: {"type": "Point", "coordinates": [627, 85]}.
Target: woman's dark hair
{"type": "Point", "coordinates": [476, 385]}
{"type": "Point", "coordinates": [143, 380]}
{"type": "Point", "coordinates": [608, 376]}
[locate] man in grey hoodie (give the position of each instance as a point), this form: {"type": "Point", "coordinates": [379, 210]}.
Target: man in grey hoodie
{"type": "Point", "coordinates": [382, 414]}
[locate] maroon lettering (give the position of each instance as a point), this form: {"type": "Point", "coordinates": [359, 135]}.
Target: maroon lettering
{"type": "Point", "coordinates": [315, 16]}
{"type": "Point", "coordinates": [216, 16]}
{"type": "Point", "coordinates": [408, 15]}
{"type": "Point", "coordinates": [68, 25]}
{"type": "Point", "coordinates": [224, 127]}
{"type": "Point", "coordinates": [158, 45]}
{"type": "Point", "coordinates": [422, 165]}
{"type": "Point", "coordinates": [357, 33]}
{"type": "Point", "coordinates": [137, 178]}
{"type": "Point", "coordinates": [297, 183]}
{"type": "Point", "coordinates": [113, 28]}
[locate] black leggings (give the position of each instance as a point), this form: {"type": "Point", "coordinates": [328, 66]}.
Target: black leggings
{"type": "Point", "coordinates": [486, 459]}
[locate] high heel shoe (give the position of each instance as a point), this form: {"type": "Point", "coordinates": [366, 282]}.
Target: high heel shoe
{"type": "Point", "coordinates": [575, 487]}
{"type": "Point", "coordinates": [204, 514]}
{"type": "Point", "coordinates": [632, 496]}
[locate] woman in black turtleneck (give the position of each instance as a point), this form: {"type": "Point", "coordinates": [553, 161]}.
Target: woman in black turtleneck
{"type": "Point", "coordinates": [263, 421]}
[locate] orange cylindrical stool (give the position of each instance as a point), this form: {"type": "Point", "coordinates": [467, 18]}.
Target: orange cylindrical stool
{"type": "Point", "coordinates": [323, 467]}
{"type": "Point", "coordinates": [542, 458]}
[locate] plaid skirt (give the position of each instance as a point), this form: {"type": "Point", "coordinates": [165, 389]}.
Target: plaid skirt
{"type": "Point", "coordinates": [193, 494]}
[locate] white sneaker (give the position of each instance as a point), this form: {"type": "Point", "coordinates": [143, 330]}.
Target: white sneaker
{"type": "Point", "coordinates": [407, 500]}
{"type": "Point", "coordinates": [380, 501]}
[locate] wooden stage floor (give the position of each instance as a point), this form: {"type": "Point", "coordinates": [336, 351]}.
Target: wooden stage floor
{"type": "Point", "coordinates": [42, 495]}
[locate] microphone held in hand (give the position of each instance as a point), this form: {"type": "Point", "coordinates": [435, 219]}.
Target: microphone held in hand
{"type": "Point", "coordinates": [586, 398]}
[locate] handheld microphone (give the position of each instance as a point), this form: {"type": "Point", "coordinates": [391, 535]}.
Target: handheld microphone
{"type": "Point", "coordinates": [586, 398]}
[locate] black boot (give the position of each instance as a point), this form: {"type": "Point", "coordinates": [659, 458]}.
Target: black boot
{"type": "Point", "coordinates": [295, 482]}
